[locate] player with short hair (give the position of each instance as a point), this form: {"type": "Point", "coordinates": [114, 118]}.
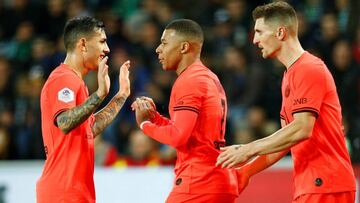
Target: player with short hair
{"type": "Point", "coordinates": [310, 116]}
{"type": "Point", "coordinates": [69, 124]}
{"type": "Point", "coordinates": [196, 127]}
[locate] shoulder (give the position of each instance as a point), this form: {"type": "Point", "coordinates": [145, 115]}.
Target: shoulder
{"type": "Point", "coordinates": [61, 78]}
{"type": "Point", "coordinates": [64, 73]}
{"type": "Point", "coordinates": [194, 78]}
{"type": "Point", "coordinates": [311, 67]}
{"type": "Point", "coordinates": [190, 83]}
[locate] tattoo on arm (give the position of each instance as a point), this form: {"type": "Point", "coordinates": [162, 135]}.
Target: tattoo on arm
{"type": "Point", "coordinates": [71, 118]}
{"type": "Point", "coordinates": [104, 117]}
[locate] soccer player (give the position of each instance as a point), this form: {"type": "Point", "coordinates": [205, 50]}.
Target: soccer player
{"type": "Point", "coordinates": [69, 124]}
{"type": "Point", "coordinates": [197, 121]}
{"type": "Point", "coordinates": [310, 116]}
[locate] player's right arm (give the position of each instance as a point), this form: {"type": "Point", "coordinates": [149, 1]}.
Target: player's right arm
{"type": "Point", "coordinates": [73, 117]}
{"type": "Point", "coordinates": [70, 119]}
{"type": "Point", "coordinates": [258, 164]}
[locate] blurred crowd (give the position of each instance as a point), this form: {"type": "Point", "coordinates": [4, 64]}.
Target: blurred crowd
{"type": "Point", "coordinates": [31, 47]}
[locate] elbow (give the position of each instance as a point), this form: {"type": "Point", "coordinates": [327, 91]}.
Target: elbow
{"type": "Point", "coordinates": [61, 126]}
{"type": "Point", "coordinates": [178, 138]}
{"type": "Point", "coordinates": [177, 143]}
{"type": "Point", "coordinates": [64, 130]}
{"type": "Point", "coordinates": [303, 135]}
{"type": "Point", "coordinates": [304, 131]}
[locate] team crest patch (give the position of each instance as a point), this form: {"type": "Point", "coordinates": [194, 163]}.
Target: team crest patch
{"type": "Point", "coordinates": [66, 95]}
{"type": "Point", "coordinates": [180, 103]}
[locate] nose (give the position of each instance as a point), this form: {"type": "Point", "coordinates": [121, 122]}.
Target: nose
{"type": "Point", "coordinates": [157, 50]}
{"type": "Point", "coordinates": [255, 39]}
{"type": "Point", "coordinates": [107, 49]}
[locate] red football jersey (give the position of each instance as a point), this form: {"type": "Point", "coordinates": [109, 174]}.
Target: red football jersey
{"type": "Point", "coordinates": [197, 91]}
{"type": "Point", "coordinates": [69, 167]}
{"type": "Point", "coordinates": [321, 163]}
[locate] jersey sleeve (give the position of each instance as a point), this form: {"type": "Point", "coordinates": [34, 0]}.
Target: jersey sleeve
{"type": "Point", "coordinates": [176, 132]}
{"type": "Point", "coordinates": [63, 94]}
{"type": "Point", "coordinates": [309, 89]}
{"type": "Point", "coordinates": [188, 95]}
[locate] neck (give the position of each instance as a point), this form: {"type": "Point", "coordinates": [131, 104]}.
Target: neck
{"type": "Point", "coordinates": [186, 62]}
{"type": "Point", "coordinates": [290, 52]}
{"type": "Point", "coordinates": [75, 63]}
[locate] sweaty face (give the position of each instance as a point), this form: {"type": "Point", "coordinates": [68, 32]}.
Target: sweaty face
{"type": "Point", "coordinates": [95, 49]}
{"type": "Point", "coordinates": [265, 38]}
{"type": "Point", "coordinates": [169, 50]}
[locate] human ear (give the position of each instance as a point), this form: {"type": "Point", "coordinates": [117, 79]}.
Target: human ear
{"type": "Point", "coordinates": [184, 47]}
{"type": "Point", "coordinates": [281, 33]}
{"type": "Point", "coordinates": [82, 44]}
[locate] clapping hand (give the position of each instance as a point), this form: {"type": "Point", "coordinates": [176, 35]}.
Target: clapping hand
{"type": "Point", "coordinates": [103, 78]}
{"type": "Point", "coordinates": [144, 108]}
{"type": "Point", "coordinates": [124, 81]}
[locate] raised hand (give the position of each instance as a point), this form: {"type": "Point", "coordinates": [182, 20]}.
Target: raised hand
{"type": "Point", "coordinates": [103, 78]}
{"type": "Point", "coordinates": [124, 81]}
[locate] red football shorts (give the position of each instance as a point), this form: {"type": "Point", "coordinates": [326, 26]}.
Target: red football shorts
{"type": "Point", "coordinates": [343, 197]}
{"type": "Point", "coordinates": [200, 198]}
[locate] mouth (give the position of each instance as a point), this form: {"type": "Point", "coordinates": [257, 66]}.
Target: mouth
{"type": "Point", "coordinates": [102, 56]}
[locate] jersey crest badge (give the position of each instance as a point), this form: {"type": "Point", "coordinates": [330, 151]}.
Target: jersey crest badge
{"type": "Point", "coordinates": [66, 95]}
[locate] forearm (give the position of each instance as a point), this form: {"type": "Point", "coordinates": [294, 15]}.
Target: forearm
{"type": "Point", "coordinates": [175, 133]}
{"type": "Point", "coordinates": [105, 116]}
{"type": "Point", "coordinates": [160, 120]}
{"type": "Point", "coordinates": [71, 118]}
{"type": "Point", "coordinates": [166, 134]}
{"type": "Point", "coordinates": [282, 139]}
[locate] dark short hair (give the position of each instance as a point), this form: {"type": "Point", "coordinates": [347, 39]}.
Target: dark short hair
{"type": "Point", "coordinates": [79, 27]}
{"type": "Point", "coordinates": [187, 28]}
{"type": "Point", "coordinates": [279, 11]}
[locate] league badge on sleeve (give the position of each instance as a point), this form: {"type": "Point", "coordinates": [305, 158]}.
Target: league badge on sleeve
{"type": "Point", "coordinates": [66, 95]}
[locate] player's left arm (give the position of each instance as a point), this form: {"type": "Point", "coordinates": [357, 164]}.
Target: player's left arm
{"type": "Point", "coordinates": [175, 132]}
{"type": "Point", "coordinates": [298, 130]}
{"type": "Point", "coordinates": [106, 115]}
{"type": "Point", "coordinates": [295, 132]}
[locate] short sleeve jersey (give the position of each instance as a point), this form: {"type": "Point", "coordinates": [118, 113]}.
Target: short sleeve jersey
{"type": "Point", "coordinates": [68, 171]}
{"type": "Point", "coordinates": [199, 90]}
{"type": "Point", "coordinates": [321, 163]}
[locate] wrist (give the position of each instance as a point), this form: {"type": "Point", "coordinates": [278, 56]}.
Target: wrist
{"type": "Point", "coordinates": [122, 95]}
{"type": "Point", "coordinates": [253, 148]}
{"type": "Point", "coordinates": [143, 123]}
{"type": "Point", "coordinates": [155, 117]}
{"type": "Point", "coordinates": [100, 95]}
